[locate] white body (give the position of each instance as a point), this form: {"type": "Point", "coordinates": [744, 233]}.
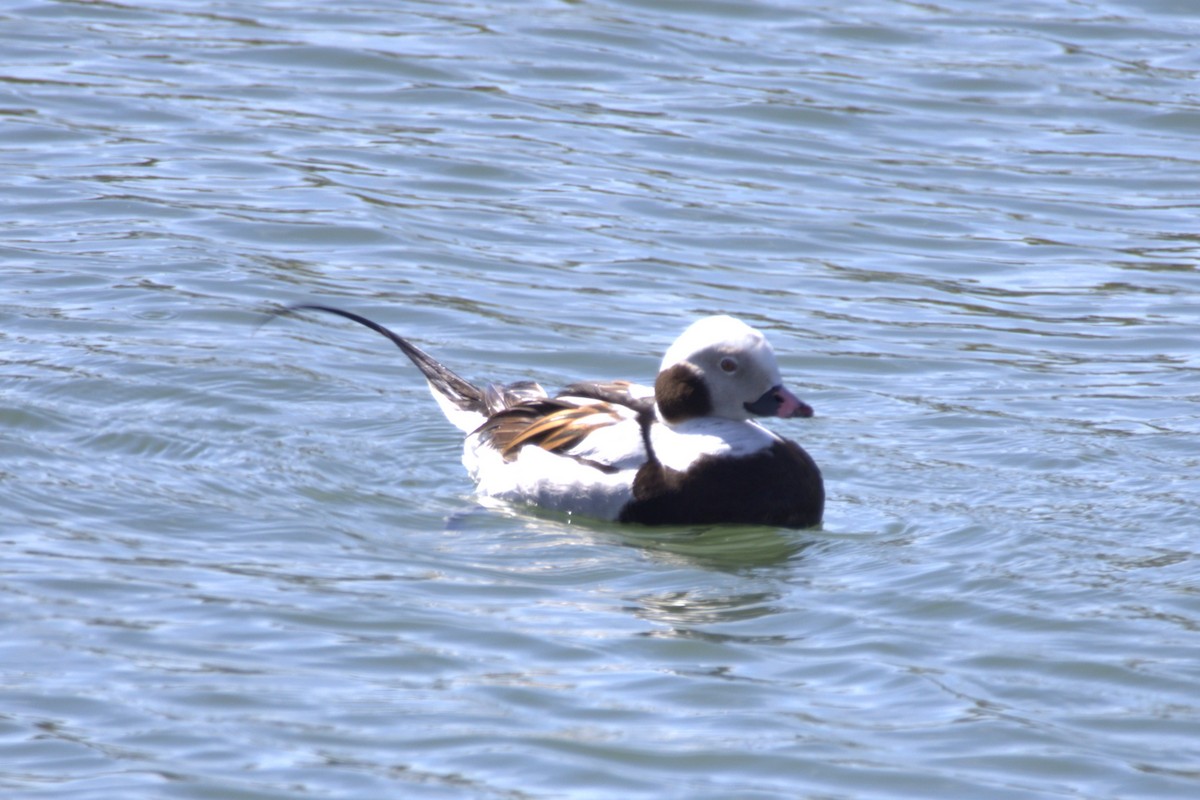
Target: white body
{"type": "Point", "coordinates": [564, 482]}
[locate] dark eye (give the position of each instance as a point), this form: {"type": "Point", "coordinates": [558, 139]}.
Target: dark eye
{"type": "Point", "coordinates": [728, 364]}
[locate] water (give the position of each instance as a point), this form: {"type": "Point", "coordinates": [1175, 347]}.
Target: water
{"type": "Point", "coordinates": [243, 562]}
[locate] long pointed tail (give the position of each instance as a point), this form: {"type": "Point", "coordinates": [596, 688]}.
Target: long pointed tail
{"type": "Point", "coordinates": [448, 387]}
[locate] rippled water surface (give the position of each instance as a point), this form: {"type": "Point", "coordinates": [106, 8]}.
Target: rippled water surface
{"type": "Point", "coordinates": [246, 562]}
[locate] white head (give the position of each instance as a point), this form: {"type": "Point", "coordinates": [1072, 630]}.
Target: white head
{"type": "Point", "coordinates": [721, 367]}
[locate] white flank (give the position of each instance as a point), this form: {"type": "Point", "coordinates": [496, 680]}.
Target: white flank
{"type": "Point", "coordinates": [552, 481]}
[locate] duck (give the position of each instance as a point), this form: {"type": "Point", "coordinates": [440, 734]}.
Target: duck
{"type": "Point", "coordinates": [689, 450]}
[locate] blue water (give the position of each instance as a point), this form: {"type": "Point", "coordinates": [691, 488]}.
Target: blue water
{"type": "Point", "coordinates": [245, 562]}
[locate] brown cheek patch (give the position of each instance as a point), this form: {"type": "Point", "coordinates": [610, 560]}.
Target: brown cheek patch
{"type": "Point", "coordinates": [681, 394]}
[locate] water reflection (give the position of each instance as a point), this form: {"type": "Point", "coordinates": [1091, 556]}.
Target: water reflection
{"type": "Point", "coordinates": [693, 614]}
{"type": "Point", "coordinates": [711, 612]}
{"type": "Point", "coordinates": [720, 547]}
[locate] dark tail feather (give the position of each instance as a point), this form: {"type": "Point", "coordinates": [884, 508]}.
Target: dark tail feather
{"type": "Point", "coordinates": [455, 389]}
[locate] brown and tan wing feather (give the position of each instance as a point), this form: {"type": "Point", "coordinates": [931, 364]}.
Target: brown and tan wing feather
{"type": "Point", "coordinates": [552, 425]}
{"type": "Point", "coordinates": [564, 429]}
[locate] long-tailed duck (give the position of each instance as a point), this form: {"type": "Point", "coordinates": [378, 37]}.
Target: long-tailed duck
{"type": "Point", "coordinates": [686, 451]}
